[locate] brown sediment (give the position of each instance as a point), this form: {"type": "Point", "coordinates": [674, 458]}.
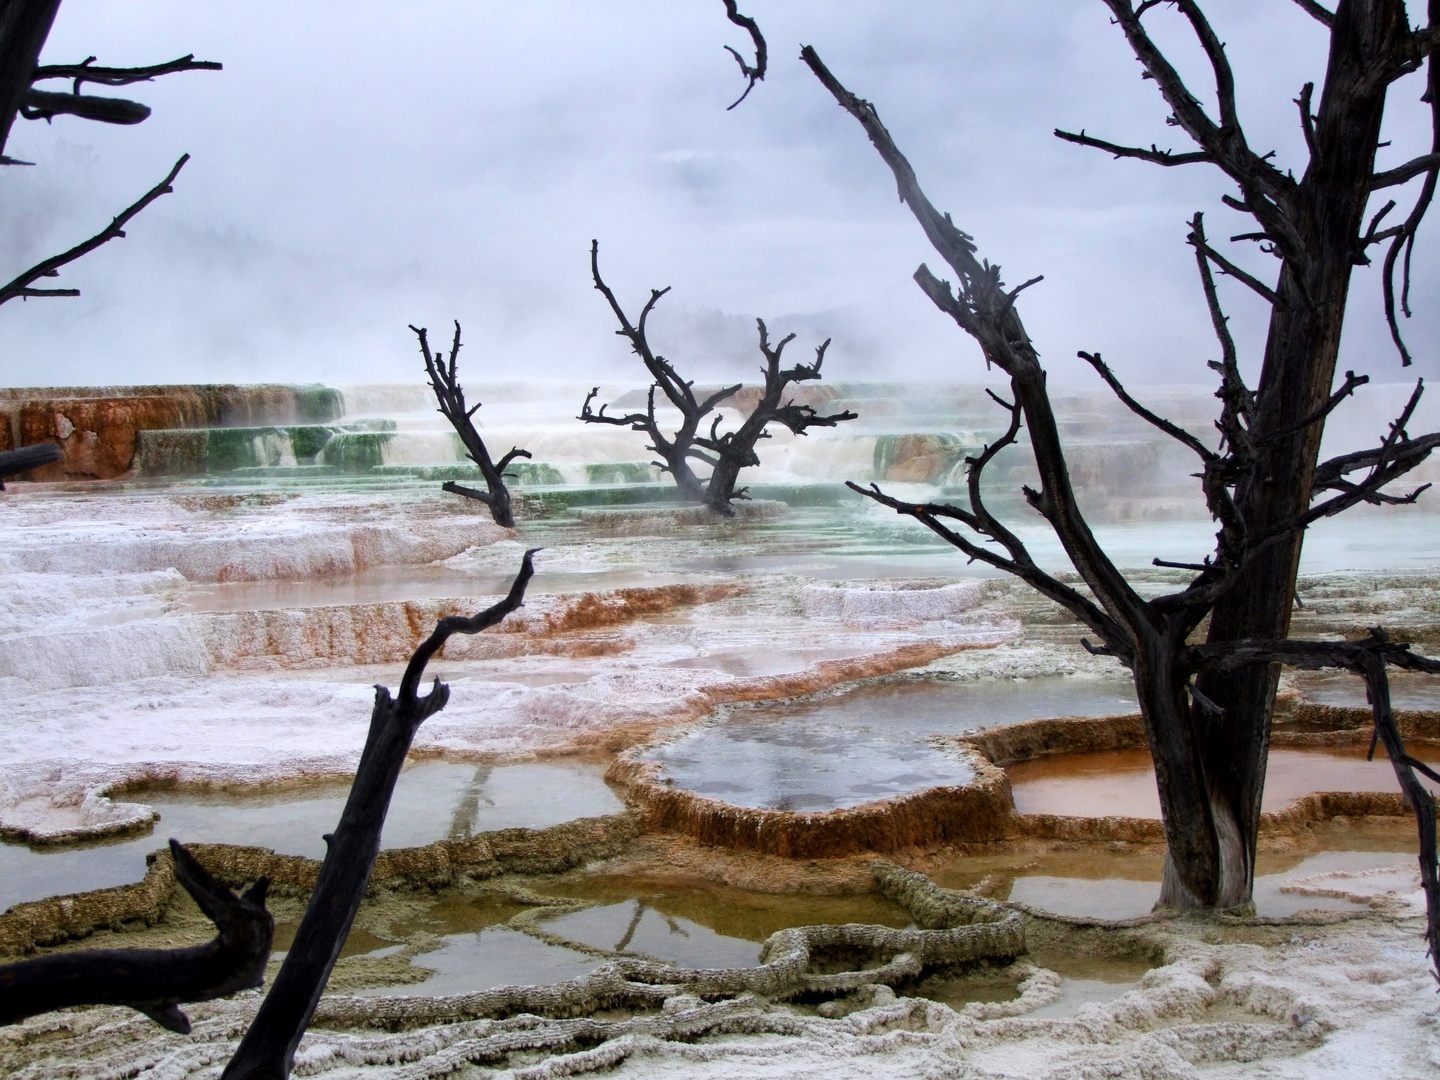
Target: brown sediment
{"type": "Point", "coordinates": [97, 427]}
{"type": "Point", "coordinates": [592, 611]}
{"type": "Point", "coordinates": [976, 814]}
{"type": "Point", "coordinates": [975, 811]}
{"type": "Point", "coordinates": [1413, 723]}
{"type": "Point", "coordinates": [389, 632]}
{"type": "Point", "coordinates": [1061, 735]}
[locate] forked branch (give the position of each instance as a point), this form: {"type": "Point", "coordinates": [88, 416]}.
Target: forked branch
{"type": "Point", "coordinates": [154, 981]}
{"type": "Point", "coordinates": [445, 382]}
{"type": "Point", "coordinates": [755, 72]}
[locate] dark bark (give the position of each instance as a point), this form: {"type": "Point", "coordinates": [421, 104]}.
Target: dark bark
{"type": "Point", "coordinates": [1209, 736]}
{"type": "Point", "coordinates": [13, 462]}
{"type": "Point", "coordinates": [735, 450]}
{"type": "Point", "coordinates": [753, 73]}
{"type": "Point", "coordinates": [1368, 659]}
{"type": "Point", "coordinates": [679, 449]}
{"type": "Point", "coordinates": [451, 397]}
{"type": "Point", "coordinates": [268, 1048]}
{"type": "Point", "coordinates": [24, 26]}
{"type": "Point", "coordinates": [154, 981]}
{"type": "Point", "coordinates": [728, 452]}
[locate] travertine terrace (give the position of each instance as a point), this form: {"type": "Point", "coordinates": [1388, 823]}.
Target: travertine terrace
{"type": "Point", "coordinates": [212, 616]}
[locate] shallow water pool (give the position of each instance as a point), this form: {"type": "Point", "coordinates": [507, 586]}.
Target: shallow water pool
{"type": "Point", "coordinates": [1122, 782]}
{"type": "Point", "coordinates": [433, 801]}
{"type": "Point", "coordinates": [870, 743]}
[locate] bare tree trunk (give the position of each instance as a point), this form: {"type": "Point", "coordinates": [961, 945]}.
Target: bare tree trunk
{"type": "Point", "coordinates": [268, 1049]}
{"type": "Point", "coordinates": [735, 450]}
{"type": "Point", "coordinates": [24, 26]}
{"type": "Point", "coordinates": [1327, 209]}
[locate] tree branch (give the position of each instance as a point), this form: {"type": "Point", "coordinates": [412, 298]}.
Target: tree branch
{"type": "Point", "coordinates": [85, 71]}
{"type": "Point", "coordinates": [43, 105]}
{"type": "Point", "coordinates": [983, 308]}
{"type": "Point", "coordinates": [1414, 167]}
{"type": "Point", "coordinates": [154, 981]}
{"type": "Point", "coordinates": [756, 72]}
{"type": "Point", "coordinates": [1315, 11]}
{"type": "Point", "coordinates": [1175, 431]}
{"type": "Point", "coordinates": [268, 1047]}
{"type": "Point", "coordinates": [20, 287]}
{"type": "Point", "coordinates": [13, 462]}
{"type": "Point", "coordinates": [450, 396]}
{"type": "Point", "coordinates": [1352, 382]}
{"type": "Point", "coordinates": [1154, 155]}
{"type": "Point", "coordinates": [1403, 239]}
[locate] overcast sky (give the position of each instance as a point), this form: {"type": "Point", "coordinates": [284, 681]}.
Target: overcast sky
{"type": "Point", "coordinates": [360, 166]}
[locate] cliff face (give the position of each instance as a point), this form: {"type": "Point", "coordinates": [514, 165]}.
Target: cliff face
{"type": "Point", "coordinates": [98, 427]}
{"type": "Point", "coordinates": [97, 434]}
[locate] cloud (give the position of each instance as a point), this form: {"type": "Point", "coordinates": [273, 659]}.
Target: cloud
{"type": "Point", "coordinates": [360, 166]}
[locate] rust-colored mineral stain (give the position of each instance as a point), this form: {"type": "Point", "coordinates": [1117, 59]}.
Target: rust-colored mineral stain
{"type": "Point", "coordinates": [1121, 783]}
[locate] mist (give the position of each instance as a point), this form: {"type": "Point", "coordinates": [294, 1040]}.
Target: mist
{"type": "Point", "coordinates": [361, 166]}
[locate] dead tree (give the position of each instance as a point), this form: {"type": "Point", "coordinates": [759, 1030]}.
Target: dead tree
{"type": "Point", "coordinates": [268, 1048]}
{"type": "Point", "coordinates": [677, 450]}
{"type": "Point", "coordinates": [735, 450]}
{"type": "Point", "coordinates": [24, 26]}
{"type": "Point", "coordinates": [154, 981]}
{"type": "Point", "coordinates": [726, 453]}
{"type": "Point", "coordinates": [1209, 723]}
{"type": "Point", "coordinates": [451, 397]}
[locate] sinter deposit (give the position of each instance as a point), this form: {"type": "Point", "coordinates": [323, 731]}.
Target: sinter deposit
{"type": "Point", "coordinates": [795, 793]}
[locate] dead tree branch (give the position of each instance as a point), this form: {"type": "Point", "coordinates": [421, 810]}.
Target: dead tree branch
{"type": "Point", "coordinates": [1402, 240]}
{"type": "Point", "coordinates": [735, 450]}
{"type": "Point", "coordinates": [21, 286]}
{"type": "Point", "coordinates": [985, 310]}
{"type": "Point", "coordinates": [268, 1048]}
{"type": "Point", "coordinates": [677, 450]}
{"type": "Point", "coordinates": [154, 981]}
{"type": "Point", "coordinates": [13, 462]}
{"type": "Point", "coordinates": [445, 382]}
{"type": "Point", "coordinates": [1315, 11]}
{"type": "Point", "coordinates": [1152, 154]}
{"type": "Point", "coordinates": [86, 72]}
{"type": "Point", "coordinates": [752, 72]}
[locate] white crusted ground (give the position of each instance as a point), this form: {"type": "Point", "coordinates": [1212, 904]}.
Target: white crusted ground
{"type": "Point", "coordinates": [1354, 999]}
{"type": "Point", "coordinates": [193, 637]}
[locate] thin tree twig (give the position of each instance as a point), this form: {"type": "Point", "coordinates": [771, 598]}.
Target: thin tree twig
{"type": "Point", "coordinates": [21, 286]}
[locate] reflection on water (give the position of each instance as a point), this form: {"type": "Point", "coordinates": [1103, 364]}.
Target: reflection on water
{"type": "Point", "coordinates": [1122, 782]}
{"type": "Point", "coordinates": [730, 912]}
{"type": "Point", "coordinates": [1107, 883]}
{"type": "Point", "coordinates": [866, 744]}
{"type": "Point", "coordinates": [635, 927]}
{"type": "Point", "coordinates": [494, 956]}
{"type": "Point", "coordinates": [433, 801]}
{"type": "Point", "coordinates": [1407, 690]}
